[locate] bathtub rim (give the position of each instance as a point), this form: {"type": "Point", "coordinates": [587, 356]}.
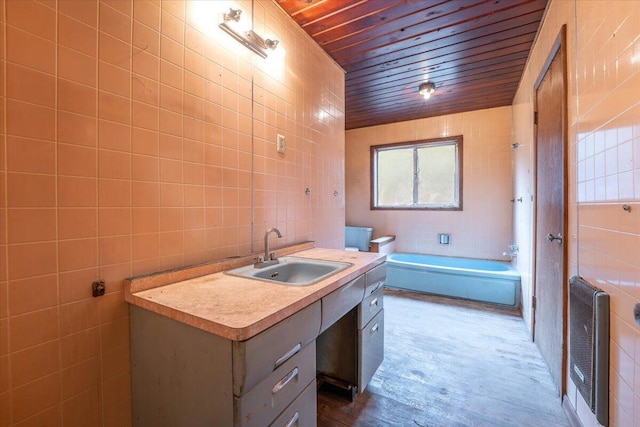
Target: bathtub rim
{"type": "Point", "coordinates": [510, 274]}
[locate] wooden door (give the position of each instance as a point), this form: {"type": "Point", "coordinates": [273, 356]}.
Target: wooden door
{"type": "Point", "coordinates": [550, 294]}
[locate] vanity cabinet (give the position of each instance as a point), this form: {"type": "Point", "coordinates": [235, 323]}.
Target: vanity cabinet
{"type": "Point", "coordinates": [183, 376]}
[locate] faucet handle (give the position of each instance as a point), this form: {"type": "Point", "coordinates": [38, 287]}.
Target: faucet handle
{"type": "Point", "coordinates": [273, 256]}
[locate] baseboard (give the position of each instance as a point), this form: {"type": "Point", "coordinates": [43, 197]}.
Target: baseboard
{"type": "Point", "coordinates": [570, 412]}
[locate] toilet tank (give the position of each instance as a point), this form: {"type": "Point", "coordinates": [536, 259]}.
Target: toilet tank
{"type": "Point", "coordinates": [357, 237]}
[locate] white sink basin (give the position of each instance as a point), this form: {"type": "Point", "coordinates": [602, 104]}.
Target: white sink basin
{"type": "Point", "coordinates": [292, 271]}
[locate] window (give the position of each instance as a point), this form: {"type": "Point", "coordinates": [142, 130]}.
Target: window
{"type": "Point", "coordinates": [417, 175]}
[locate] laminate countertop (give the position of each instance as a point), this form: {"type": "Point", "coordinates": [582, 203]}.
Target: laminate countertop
{"type": "Point", "coordinates": [239, 308]}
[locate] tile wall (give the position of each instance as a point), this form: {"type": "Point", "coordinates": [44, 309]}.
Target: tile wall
{"type": "Point", "coordinates": [483, 229]}
{"type": "Point", "coordinates": [603, 55]}
{"type": "Point", "coordinates": [133, 138]}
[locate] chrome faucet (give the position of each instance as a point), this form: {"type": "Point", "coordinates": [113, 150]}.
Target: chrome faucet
{"type": "Point", "coordinates": [513, 253]}
{"type": "Point", "coordinates": [269, 257]}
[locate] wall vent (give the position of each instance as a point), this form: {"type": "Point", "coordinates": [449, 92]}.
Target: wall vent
{"type": "Point", "coordinates": [589, 345]}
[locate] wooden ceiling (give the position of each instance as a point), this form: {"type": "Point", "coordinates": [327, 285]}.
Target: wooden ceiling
{"type": "Point", "coordinates": [473, 50]}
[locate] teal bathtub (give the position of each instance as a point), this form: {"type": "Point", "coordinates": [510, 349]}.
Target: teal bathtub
{"type": "Point", "coordinates": [489, 281]}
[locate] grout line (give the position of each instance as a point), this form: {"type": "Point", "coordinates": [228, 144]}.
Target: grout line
{"type": "Point", "coordinates": [97, 201]}
{"type": "Point", "coordinates": [182, 126]}
{"type": "Point", "coordinates": [253, 151]}
{"type": "Point", "coordinates": [57, 202]}
{"type": "Point", "coordinates": [6, 209]}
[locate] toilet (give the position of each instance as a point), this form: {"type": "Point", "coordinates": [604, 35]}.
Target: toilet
{"type": "Point", "coordinates": [357, 238]}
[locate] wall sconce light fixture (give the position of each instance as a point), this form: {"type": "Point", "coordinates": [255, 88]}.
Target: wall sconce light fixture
{"type": "Point", "coordinates": [249, 39]}
{"type": "Point", "coordinates": [427, 89]}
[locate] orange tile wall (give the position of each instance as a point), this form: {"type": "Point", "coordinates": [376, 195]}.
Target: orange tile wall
{"type": "Point", "coordinates": [603, 67]}
{"type": "Point", "coordinates": [483, 229]}
{"type": "Point", "coordinates": [133, 139]}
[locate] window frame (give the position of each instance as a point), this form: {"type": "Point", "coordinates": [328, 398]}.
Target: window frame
{"type": "Point", "coordinates": [457, 139]}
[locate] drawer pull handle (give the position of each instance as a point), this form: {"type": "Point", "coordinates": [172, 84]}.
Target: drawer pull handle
{"type": "Point", "coordinates": [283, 382]}
{"type": "Point", "coordinates": [375, 288]}
{"type": "Point", "coordinates": [374, 329]}
{"type": "Point", "coordinates": [373, 302]}
{"type": "Point", "coordinates": [288, 355]}
{"type": "Point", "coordinates": [293, 421]}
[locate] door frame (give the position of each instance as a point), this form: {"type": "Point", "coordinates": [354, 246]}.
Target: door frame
{"type": "Point", "coordinates": [559, 45]}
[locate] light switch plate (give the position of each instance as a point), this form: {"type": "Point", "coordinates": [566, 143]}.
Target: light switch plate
{"type": "Point", "coordinates": [280, 144]}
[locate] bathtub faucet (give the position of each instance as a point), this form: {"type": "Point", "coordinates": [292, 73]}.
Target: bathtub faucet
{"type": "Point", "coordinates": [513, 251]}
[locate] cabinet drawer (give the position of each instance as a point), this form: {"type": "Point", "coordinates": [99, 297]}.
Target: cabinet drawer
{"type": "Point", "coordinates": [375, 278]}
{"type": "Point", "coordinates": [302, 412]}
{"type": "Point", "coordinates": [260, 405]}
{"type": "Point", "coordinates": [370, 349]}
{"type": "Point", "coordinates": [370, 306]}
{"type": "Point", "coordinates": [258, 357]}
{"type": "Point", "coordinates": [341, 301]}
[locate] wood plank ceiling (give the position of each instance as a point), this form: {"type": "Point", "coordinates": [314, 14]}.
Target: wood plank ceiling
{"type": "Point", "coordinates": [474, 51]}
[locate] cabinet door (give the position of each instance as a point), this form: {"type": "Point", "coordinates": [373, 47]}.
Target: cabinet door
{"type": "Point", "coordinates": [180, 375]}
{"type": "Point", "coordinates": [370, 349]}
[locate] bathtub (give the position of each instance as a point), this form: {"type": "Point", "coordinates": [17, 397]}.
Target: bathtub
{"type": "Point", "coordinates": [495, 282]}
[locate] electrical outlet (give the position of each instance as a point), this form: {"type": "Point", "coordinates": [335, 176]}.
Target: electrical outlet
{"type": "Point", "coordinates": [280, 144]}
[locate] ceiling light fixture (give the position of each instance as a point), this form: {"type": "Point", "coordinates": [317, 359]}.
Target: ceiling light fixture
{"type": "Point", "coordinates": [427, 89]}
{"type": "Point", "coordinates": [249, 39]}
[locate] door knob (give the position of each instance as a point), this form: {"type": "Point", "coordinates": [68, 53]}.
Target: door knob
{"type": "Point", "coordinates": [551, 237]}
